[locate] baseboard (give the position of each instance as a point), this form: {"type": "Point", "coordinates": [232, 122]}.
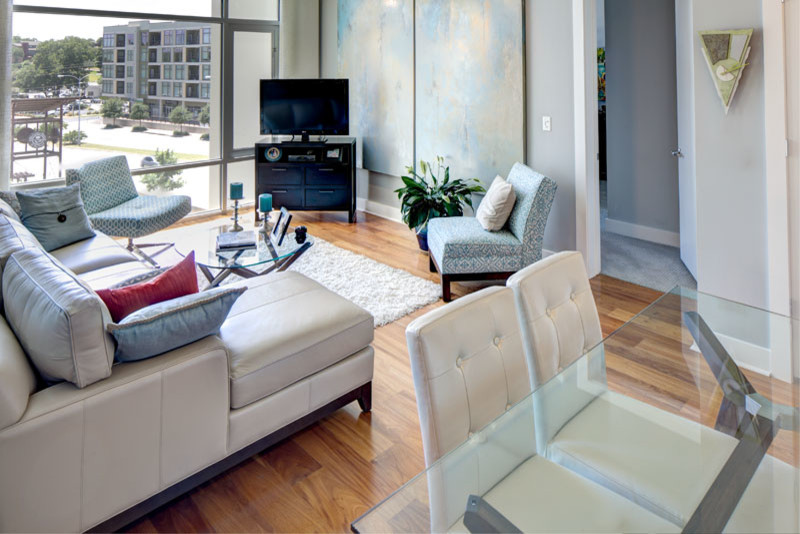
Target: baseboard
{"type": "Point", "coordinates": [646, 233]}
{"type": "Point", "coordinates": [381, 210]}
{"type": "Point", "coordinates": [746, 355]}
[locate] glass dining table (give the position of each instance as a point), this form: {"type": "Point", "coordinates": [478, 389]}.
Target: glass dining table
{"type": "Point", "coordinates": [725, 366]}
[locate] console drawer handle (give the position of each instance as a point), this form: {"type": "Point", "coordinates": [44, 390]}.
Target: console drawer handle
{"type": "Point", "coordinates": [278, 170]}
{"type": "Point", "coordinates": [326, 192]}
{"type": "Point", "coordinates": [279, 191]}
{"type": "Point", "coordinates": [326, 170]}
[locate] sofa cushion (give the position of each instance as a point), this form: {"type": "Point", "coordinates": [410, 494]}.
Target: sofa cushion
{"type": "Point", "coordinates": [496, 206]}
{"type": "Point", "coordinates": [461, 245]}
{"type": "Point", "coordinates": [612, 440]}
{"type": "Point", "coordinates": [287, 327]}
{"type": "Point", "coordinates": [177, 281]}
{"type": "Point", "coordinates": [8, 210]}
{"type": "Point", "coordinates": [17, 380]}
{"type": "Point", "coordinates": [55, 215]}
{"type": "Point", "coordinates": [9, 198]}
{"type": "Point", "coordinates": [57, 319]}
{"type": "Point", "coordinates": [173, 323]}
{"type": "Point", "coordinates": [92, 254]}
{"type": "Point", "coordinates": [13, 237]}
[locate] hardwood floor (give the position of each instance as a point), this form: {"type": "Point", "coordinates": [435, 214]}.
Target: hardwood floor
{"type": "Point", "coordinates": [324, 477]}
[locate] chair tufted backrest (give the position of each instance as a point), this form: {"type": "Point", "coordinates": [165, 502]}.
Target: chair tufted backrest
{"type": "Point", "coordinates": [105, 183]}
{"type": "Point", "coordinates": [557, 313]}
{"type": "Point", "coordinates": [535, 193]}
{"type": "Point", "coordinates": [468, 366]}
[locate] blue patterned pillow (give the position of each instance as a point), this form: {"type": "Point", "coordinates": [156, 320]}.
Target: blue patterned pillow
{"type": "Point", "coordinates": [55, 215]}
{"type": "Point", "coordinates": [105, 183]}
{"type": "Point", "coordinates": [171, 324]}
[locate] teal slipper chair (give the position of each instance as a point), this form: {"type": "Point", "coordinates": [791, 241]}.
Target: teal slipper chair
{"type": "Point", "coordinates": [117, 209]}
{"type": "Point", "coordinates": [460, 249]}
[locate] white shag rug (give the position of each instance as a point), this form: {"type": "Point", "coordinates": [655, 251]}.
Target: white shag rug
{"type": "Point", "coordinates": [387, 293]}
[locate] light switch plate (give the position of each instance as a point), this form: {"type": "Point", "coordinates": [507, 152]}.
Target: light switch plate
{"type": "Point", "coordinates": [547, 124]}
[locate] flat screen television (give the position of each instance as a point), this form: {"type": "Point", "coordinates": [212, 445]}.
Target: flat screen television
{"type": "Point", "coordinates": [305, 107]}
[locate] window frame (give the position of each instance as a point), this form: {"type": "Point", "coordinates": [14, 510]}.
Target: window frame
{"type": "Point", "coordinates": [227, 27]}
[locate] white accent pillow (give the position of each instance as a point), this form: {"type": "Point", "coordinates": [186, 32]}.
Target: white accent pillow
{"type": "Point", "coordinates": [496, 206]}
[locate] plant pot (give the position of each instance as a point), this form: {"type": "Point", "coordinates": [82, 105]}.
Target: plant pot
{"type": "Point", "coordinates": [422, 239]}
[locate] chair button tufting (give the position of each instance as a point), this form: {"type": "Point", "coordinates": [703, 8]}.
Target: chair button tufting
{"type": "Point", "coordinates": [459, 361]}
{"type": "Point", "coordinates": [497, 341]}
{"type": "Point", "coordinates": [572, 296]}
{"type": "Point", "coordinates": [560, 368]}
{"type": "Point", "coordinates": [549, 312]}
{"type": "Point", "coordinates": [508, 407]}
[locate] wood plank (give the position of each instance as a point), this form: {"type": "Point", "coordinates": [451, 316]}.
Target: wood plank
{"type": "Point", "coordinates": [324, 477]}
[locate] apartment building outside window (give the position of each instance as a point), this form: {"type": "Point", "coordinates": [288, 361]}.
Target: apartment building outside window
{"type": "Point", "coordinates": [205, 53]}
{"type": "Point", "coordinates": [206, 35]}
{"type": "Point", "coordinates": [166, 89]}
{"type": "Point", "coordinates": [108, 86]}
{"type": "Point", "coordinates": [144, 37]}
{"type": "Point", "coordinates": [143, 55]}
{"type": "Point", "coordinates": [167, 72]}
{"type": "Point", "coordinates": [206, 72]}
{"type": "Point", "coordinates": [154, 72]}
{"type": "Point", "coordinates": [120, 88]}
{"type": "Point", "coordinates": [205, 90]}
{"type": "Point", "coordinates": [153, 55]}
{"type": "Point", "coordinates": [155, 39]}
{"type": "Point", "coordinates": [120, 40]}
{"type": "Point", "coordinates": [152, 89]}
{"type": "Point", "coordinates": [108, 40]}
{"type": "Point", "coordinates": [131, 39]}
{"type": "Point", "coordinates": [130, 72]}
{"type": "Point", "coordinates": [192, 55]}
{"type": "Point", "coordinates": [129, 87]}
{"type": "Point", "coordinates": [120, 71]}
{"type": "Point", "coordinates": [108, 71]}
{"type": "Point", "coordinates": [177, 90]}
{"type": "Point", "coordinates": [121, 56]}
{"type": "Point", "coordinates": [168, 37]}
{"type": "Point", "coordinates": [180, 72]}
{"type": "Point", "coordinates": [192, 90]}
{"type": "Point", "coordinates": [108, 56]}
{"type": "Point", "coordinates": [129, 54]}
{"type": "Point", "coordinates": [194, 72]}
{"type": "Point", "coordinates": [177, 55]}
{"type": "Point", "coordinates": [193, 37]}
{"type": "Point", "coordinates": [180, 37]}
{"type": "Point", "coordinates": [166, 55]}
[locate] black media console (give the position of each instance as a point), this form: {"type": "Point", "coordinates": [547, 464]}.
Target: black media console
{"type": "Point", "coordinates": [309, 176]}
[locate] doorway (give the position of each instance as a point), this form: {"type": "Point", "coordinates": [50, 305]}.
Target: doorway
{"type": "Point", "coordinates": [638, 144]}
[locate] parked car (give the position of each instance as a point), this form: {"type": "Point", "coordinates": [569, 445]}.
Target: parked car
{"type": "Point", "coordinates": [149, 161]}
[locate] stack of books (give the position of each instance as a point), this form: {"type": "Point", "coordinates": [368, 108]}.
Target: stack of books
{"type": "Point", "coordinates": [232, 241]}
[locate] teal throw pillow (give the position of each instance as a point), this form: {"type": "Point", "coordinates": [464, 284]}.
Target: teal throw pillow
{"type": "Point", "coordinates": [55, 215]}
{"type": "Point", "coordinates": [171, 324]}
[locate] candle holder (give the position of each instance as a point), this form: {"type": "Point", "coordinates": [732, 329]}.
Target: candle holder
{"type": "Point", "coordinates": [266, 222]}
{"type": "Point", "coordinates": [236, 226]}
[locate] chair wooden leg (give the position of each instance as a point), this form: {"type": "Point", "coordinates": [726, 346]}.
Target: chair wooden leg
{"type": "Point", "coordinates": [446, 288]}
{"type": "Point", "coordinates": [431, 265]}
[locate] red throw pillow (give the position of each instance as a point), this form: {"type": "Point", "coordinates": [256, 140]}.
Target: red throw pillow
{"type": "Point", "coordinates": [175, 282]}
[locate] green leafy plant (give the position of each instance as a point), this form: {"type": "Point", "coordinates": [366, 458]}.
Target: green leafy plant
{"type": "Point", "coordinates": [180, 115]}
{"type": "Point", "coordinates": [433, 194]}
{"type": "Point", "coordinates": [111, 109]}
{"type": "Point", "coordinates": [164, 180]}
{"type": "Point", "coordinates": [139, 112]}
{"type": "Point", "coordinates": [71, 138]}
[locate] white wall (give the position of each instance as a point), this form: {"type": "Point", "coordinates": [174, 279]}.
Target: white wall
{"type": "Point", "coordinates": [299, 39]}
{"type": "Point", "coordinates": [730, 165]}
{"type": "Point", "coordinates": [601, 23]}
{"type": "Point", "coordinates": [793, 115]}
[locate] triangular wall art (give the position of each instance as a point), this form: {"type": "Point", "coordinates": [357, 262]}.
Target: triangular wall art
{"type": "Point", "coordinates": [726, 55]}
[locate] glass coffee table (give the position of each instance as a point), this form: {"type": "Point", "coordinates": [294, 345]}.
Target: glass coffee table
{"type": "Point", "coordinates": [248, 263]}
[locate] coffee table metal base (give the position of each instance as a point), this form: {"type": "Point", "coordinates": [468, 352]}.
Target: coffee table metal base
{"type": "Point", "coordinates": [244, 272]}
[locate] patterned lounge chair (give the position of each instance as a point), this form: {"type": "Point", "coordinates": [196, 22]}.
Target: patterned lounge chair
{"type": "Point", "coordinates": [460, 249]}
{"type": "Point", "coordinates": [116, 208]}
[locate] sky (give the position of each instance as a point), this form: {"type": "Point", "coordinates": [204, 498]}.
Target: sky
{"type": "Point", "coordinates": [45, 27]}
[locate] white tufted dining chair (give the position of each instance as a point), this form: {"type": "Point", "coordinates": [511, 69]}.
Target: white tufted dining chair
{"type": "Point", "coordinates": [469, 368]}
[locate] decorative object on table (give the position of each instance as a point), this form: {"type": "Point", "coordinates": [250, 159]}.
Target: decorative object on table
{"type": "Point", "coordinates": [726, 54]}
{"type": "Point", "coordinates": [55, 215]}
{"type": "Point", "coordinates": [236, 194]}
{"type": "Point", "coordinates": [116, 208]}
{"type": "Point", "coordinates": [281, 226]}
{"type": "Point", "coordinates": [460, 249]}
{"type": "Point", "coordinates": [300, 234]}
{"type": "Point", "coordinates": [424, 197]}
{"type": "Point", "coordinates": [240, 240]}
{"type": "Point", "coordinates": [265, 207]}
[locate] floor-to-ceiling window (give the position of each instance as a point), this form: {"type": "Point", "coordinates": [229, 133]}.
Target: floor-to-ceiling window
{"type": "Point", "coordinates": [143, 79]}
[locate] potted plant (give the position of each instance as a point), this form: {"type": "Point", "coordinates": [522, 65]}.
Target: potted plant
{"type": "Point", "coordinates": [433, 194]}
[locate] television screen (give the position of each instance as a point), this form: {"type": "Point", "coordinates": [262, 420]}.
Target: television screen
{"type": "Point", "coordinates": [312, 107]}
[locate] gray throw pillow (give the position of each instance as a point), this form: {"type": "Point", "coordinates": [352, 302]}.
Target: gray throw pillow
{"type": "Point", "coordinates": [8, 210]}
{"type": "Point", "coordinates": [173, 323]}
{"type": "Point", "coordinates": [55, 215]}
{"type": "Point", "coordinates": [57, 319]}
{"type": "Point", "coordinates": [10, 198]}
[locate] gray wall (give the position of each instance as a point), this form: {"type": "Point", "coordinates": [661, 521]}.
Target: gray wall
{"type": "Point", "coordinates": [299, 39]}
{"type": "Point", "coordinates": [730, 165]}
{"type": "Point", "coordinates": [548, 25]}
{"type": "Point", "coordinates": [793, 86]}
{"type": "Point", "coordinates": [642, 125]}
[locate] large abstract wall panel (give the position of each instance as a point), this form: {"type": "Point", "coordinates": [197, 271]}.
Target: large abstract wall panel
{"type": "Point", "coordinates": [470, 85]}
{"type": "Point", "coordinates": [376, 52]}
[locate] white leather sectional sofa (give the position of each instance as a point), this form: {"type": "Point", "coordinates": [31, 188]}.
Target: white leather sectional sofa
{"type": "Point", "coordinates": [289, 353]}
